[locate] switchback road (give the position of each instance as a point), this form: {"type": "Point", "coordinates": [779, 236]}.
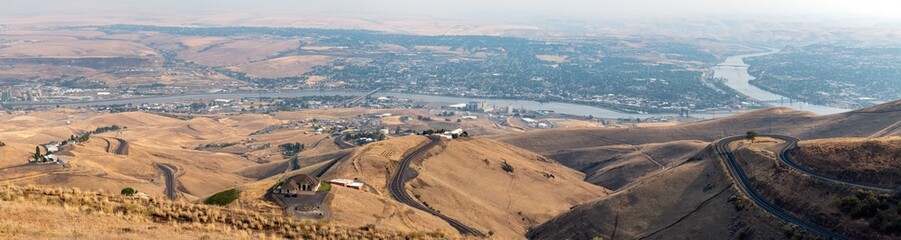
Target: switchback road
{"type": "Point", "coordinates": [785, 157]}
{"type": "Point", "coordinates": [169, 171]}
{"type": "Point", "coordinates": [398, 191]}
{"type": "Point", "coordinates": [339, 140]}
{"type": "Point", "coordinates": [122, 149]}
{"type": "Point", "coordinates": [741, 179]}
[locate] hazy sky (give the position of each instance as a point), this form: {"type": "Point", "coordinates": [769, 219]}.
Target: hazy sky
{"type": "Point", "coordinates": [885, 9]}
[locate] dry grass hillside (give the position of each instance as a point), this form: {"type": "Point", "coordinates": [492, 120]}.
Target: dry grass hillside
{"type": "Point", "coordinates": [694, 199]}
{"type": "Point", "coordinates": [465, 180]}
{"type": "Point", "coordinates": [63, 213]}
{"type": "Point", "coordinates": [616, 166]}
{"type": "Point", "coordinates": [875, 161]}
{"type": "Point", "coordinates": [373, 164]}
{"type": "Point", "coordinates": [151, 139]}
{"type": "Point", "coordinates": [867, 216]}
{"type": "Point", "coordinates": [805, 125]}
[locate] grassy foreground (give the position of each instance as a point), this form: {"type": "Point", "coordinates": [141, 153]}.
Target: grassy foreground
{"type": "Point", "coordinates": [188, 219]}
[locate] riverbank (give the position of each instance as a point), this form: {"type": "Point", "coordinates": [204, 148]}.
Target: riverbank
{"type": "Point", "coordinates": [735, 70]}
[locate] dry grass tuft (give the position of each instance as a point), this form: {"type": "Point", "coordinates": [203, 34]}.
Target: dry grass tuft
{"type": "Point", "coordinates": [186, 215]}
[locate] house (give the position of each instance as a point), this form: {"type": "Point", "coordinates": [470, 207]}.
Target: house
{"type": "Point", "coordinates": [303, 184]}
{"type": "Point", "coordinates": [50, 158]}
{"type": "Point", "coordinates": [457, 131]}
{"type": "Point", "coordinates": [52, 147]}
{"type": "Point", "coordinates": [348, 183]}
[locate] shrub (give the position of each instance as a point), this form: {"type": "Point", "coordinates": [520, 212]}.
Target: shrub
{"type": "Point", "coordinates": [128, 191]}
{"type": "Point", "coordinates": [223, 198]}
{"type": "Point", "coordinates": [506, 166]}
{"type": "Point", "coordinates": [886, 223]}
{"type": "Point", "coordinates": [2, 144]}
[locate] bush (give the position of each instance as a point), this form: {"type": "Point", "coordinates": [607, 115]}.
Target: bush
{"type": "Point", "coordinates": [507, 167]}
{"type": "Point", "coordinates": [2, 144]}
{"type": "Point", "coordinates": [223, 198]}
{"type": "Point", "coordinates": [886, 223]}
{"type": "Point", "coordinates": [128, 191]}
{"type": "Point", "coordinates": [863, 204]}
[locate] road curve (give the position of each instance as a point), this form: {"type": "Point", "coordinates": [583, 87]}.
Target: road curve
{"type": "Point", "coordinates": [169, 171]}
{"type": "Point", "coordinates": [785, 157]}
{"type": "Point", "coordinates": [397, 189]}
{"type": "Point", "coordinates": [339, 140]}
{"type": "Point", "coordinates": [122, 149]}
{"type": "Point", "coordinates": [741, 179]}
{"type": "Point", "coordinates": [108, 145]}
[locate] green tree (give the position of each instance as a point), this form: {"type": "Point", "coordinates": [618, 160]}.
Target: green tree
{"type": "Point", "coordinates": [128, 191]}
{"type": "Point", "coordinates": [37, 153]}
{"type": "Point", "coordinates": [751, 135]}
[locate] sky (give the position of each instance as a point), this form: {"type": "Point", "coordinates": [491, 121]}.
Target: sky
{"type": "Point", "coordinates": [875, 9]}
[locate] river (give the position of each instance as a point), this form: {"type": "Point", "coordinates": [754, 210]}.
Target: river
{"type": "Point", "coordinates": [558, 107]}
{"type": "Point", "coordinates": [735, 71]}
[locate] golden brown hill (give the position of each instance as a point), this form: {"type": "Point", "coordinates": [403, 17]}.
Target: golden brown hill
{"type": "Point", "coordinates": [876, 161]}
{"type": "Point", "coordinates": [615, 166]}
{"type": "Point", "coordinates": [464, 179]}
{"type": "Point", "coordinates": [842, 209]}
{"type": "Point", "coordinates": [781, 120]}
{"type": "Point", "coordinates": [694, 200]}
{"type": "Point", "coordinates": [151, 138]}
{"type": "Point", "coordinates": [597, 151]}
{"type": "Point", "coordinates": [63, 213]}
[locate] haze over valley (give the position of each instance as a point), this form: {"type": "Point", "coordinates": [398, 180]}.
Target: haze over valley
{"type": "Point", "coordinates": [450, 120]}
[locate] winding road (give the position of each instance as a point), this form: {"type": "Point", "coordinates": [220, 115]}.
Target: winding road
{"type": "Point", "coordinates": [399, 192]}
{"type": "Point", "coordinates": [741, 179]}
{"type": "Point", "coordinates": [339, 140]}
{"type": "Point", "coordinates": [122, 149]}
{"type": "Point", "coordinates": [108, 145]}
{"type": "Point", "coordinates": [169, 171]}
{"type": "Point", "coordinates": [785, 157]}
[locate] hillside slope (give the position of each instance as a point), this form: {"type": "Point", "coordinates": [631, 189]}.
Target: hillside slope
{"type": "Point", "coordinates": [873, 161]}
{"type": "Point", "coordinates": [465, 179]}
{"type": "Point", "coordinates": [616, 166]}
{"type": "Point", "coordinates": [64, 213]}
{"type": "Point", "coordinates": [781, 120]}
{"type": "Point", "coordinates": [695, 200]}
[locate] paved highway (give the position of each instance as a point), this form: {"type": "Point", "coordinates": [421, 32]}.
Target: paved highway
{"type": "Point", "coordinates": [321, 171]}
{"type": "Point", "coordinates": [398, 191]}
{"type": "Point", "coordinates": [339, 140]}
{"type": "Point", "coordinates": [169, 172]}
{"type": "Point", "coordinates": [108, 145]}
{"type": "Point", "coordinates": [741, 179]}
{"type": "Point", "coordinates": [122, 149]}
{"type": "Point", "coordinates": [785, 157]}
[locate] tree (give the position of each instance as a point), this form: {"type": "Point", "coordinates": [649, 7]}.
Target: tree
{"type": "Point", "coordinates": [37, 153]}
{"type": "Point", "coordinates": [751, 135]}
{"type": "Point", "coordinates": [128, 191]}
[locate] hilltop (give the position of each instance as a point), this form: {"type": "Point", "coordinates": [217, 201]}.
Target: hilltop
{"type": "Point", "coordinates": [875, 161]}
{"type": "Point", "coordinates": [599, 150]}
{"type": "Point", "coordinates": [464, 179]}
{"type": "Point", "coordinates": [782, 120]}
{"type": "Point", "coordinates": [693, 199]}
